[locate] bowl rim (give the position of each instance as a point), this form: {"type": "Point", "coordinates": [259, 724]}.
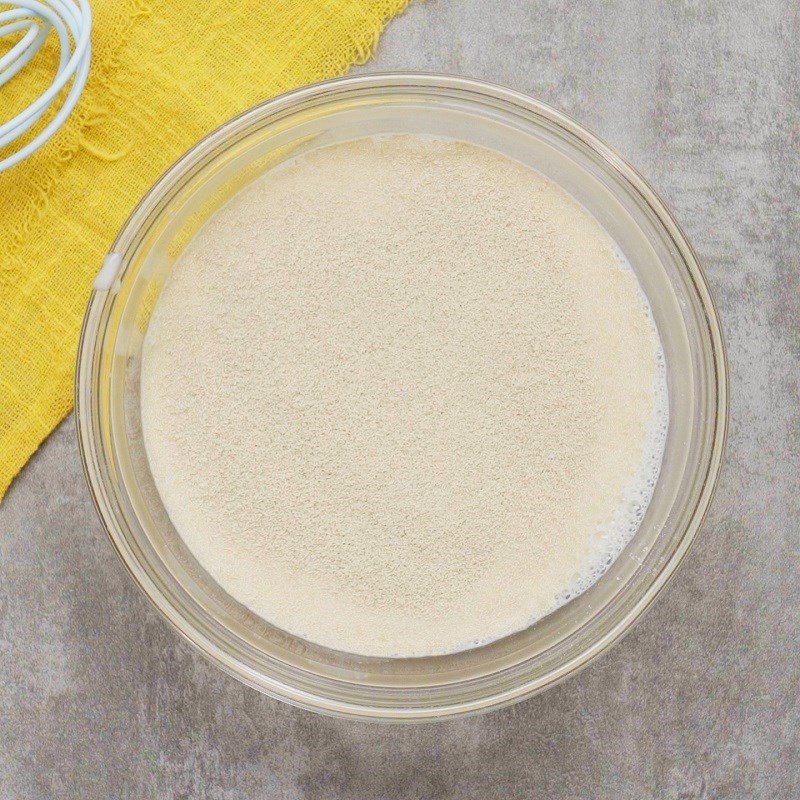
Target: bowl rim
{"type": "Point", "coordinates": [88, 445]}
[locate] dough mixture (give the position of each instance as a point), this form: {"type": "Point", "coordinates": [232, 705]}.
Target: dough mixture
{"type": "Point", "coordinates": [402, 396]}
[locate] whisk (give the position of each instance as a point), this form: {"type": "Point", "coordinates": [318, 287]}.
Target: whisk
{"type": "Point", "coordinates": [72, 22]}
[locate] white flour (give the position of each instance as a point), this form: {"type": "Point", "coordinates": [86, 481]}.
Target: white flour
{"type": "Point", "coordinates": [402, 396]}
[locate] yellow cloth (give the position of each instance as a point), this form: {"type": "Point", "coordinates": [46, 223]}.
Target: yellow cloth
{"type": "Point", "coordinates": [163, 74]}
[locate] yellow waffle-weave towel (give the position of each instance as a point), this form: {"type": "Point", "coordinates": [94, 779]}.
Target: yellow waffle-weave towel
{"type": "Point", "coordinates": [163, 74]}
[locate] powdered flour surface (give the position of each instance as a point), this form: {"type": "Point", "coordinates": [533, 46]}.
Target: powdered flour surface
{"type": "Point", "coordinates": [402, 396]}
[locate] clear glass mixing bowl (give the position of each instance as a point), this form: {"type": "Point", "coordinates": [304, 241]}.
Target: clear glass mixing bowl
{"type": "Point", "coordinates": [109, 429]}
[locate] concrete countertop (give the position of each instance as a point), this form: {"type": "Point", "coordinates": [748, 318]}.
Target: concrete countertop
{"type": "Point", "coordinates": [101, 699]}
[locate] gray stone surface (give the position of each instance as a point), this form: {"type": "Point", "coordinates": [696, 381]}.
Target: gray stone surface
{"type": "Point", "coordinates": [100, 699]}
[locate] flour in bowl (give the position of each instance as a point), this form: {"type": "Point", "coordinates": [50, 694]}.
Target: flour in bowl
{"type": "Point", "coordinates": [402, 396]}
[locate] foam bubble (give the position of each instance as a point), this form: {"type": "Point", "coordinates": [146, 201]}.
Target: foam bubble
{"type": "Point", "coordinates": [613, 537]}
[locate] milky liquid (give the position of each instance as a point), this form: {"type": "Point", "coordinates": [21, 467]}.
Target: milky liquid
{"type": "Point", "coordinates": [403, 396]}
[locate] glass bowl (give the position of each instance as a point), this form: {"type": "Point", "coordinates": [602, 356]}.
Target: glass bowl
{"type": "Point", "coordinates": [109, 427]}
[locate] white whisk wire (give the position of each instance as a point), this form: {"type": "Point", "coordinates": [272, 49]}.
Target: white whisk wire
{"type": "Point", "coordinates": [71, 20]}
